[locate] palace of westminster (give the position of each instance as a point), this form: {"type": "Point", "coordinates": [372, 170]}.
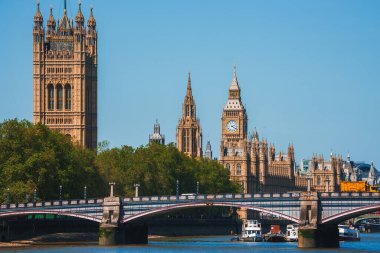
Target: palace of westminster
{"type": "Point", "coordinates": [65, 99]}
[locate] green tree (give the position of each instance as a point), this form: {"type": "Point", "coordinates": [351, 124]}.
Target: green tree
{"type": "Point", "coordinates": [35, 157]}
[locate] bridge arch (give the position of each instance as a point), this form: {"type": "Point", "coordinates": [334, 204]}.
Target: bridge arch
{"type": "Point", "coordinates": [69, 214]}
{"type": "Point", "coordinates": [166, 209]}
{"type": "Point", "coordinates": [349, 214]}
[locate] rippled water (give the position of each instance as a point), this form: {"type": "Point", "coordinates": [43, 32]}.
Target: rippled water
{"type": "Point", "coordinates": [369, 243]}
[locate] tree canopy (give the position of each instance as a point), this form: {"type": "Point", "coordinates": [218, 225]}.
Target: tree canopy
{"type": "Point", "coordinates": [35, 157]}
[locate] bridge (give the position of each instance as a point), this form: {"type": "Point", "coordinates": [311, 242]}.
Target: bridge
{"type": "Point", "coordinates": [120, 219]}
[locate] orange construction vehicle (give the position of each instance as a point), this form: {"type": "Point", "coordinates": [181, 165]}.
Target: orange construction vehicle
{"type": "Point", "coordinates": [360, 186]}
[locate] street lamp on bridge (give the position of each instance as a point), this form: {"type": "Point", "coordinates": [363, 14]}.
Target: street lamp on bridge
{"type": "Point", "coordinates": [60, 193]}
{"type": "Point", "coordinates": [136, 189]}
{"type": "Point", "coordinates": [35, 196]}
{"type": "Point", "coordinates": [85, 192]}
{"type": "Point", "coordinates": [308, 178]}
{"type": "Point", "coordinates": [197, 188]}
{"type": "Point", "coordinates": [8, 197]}
{"type": "Point", "coordinates": [111, 184]}
{"type": "Point", "coordinates": [177, 188]}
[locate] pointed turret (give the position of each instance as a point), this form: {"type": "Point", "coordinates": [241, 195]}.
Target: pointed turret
{"type": "Point", "coordinates": [234, 92]}
{"type": "Point", "coordinates": [79, 19]}
{"type": "Point", "coordinates": [189, 103]}
{"type": "Point", "coordinates": [64, 26]}
{"type": "Point", "coordinates": [189, 91]}
{"type": "Point", "coordinates": [189, 133]}
{"type": "Point", "coordinates": [38, 19]}
{"type": "Point", "coordinates": [91, 23]}
{"type": "Point", "coordinates": [51, 23]}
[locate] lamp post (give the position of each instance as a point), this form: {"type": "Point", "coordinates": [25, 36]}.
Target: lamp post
{"type": "Point", "coordinates": [26, 198]}
{"type": "Point", "coordinates": [177, 188]}
{"type": "Point", "coordinates": [327, 184]}
{"type": "Point", "coordinates": [60, 193]}
{"type": "Point", "coordinates": [35, 196]}
{"type": "Point", "coordinates": [85, 192]}
{"type": "Point", "coordinates": [111, 184]}
{"type": "Point", "coordinates": [8, 197]}
{"type": "Point", "coordinates": [308, 178]}
{"type": "Point", "coordinates": [197, 188]}
{"type": "Point", "coordinates": [136, 189]}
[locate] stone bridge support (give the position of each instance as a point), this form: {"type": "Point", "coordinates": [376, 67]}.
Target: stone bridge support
{"type": "Point", "coordinates": [113, 232]}
{"type": "Point", "coordinates": [311, 233]}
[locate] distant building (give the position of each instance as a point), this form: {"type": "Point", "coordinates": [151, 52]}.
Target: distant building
{"type": "Point", "coordinates": [208, 152]}
{"type": "Point", "coordinates": [189, 133]}
{"type": "Point", "coordinates": [157, 137]}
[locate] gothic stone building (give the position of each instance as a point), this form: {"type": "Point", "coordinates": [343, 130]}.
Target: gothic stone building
{"type": "Point", "coordinates": [189, 133]}
{"type": "Point", "coordinates": [65, 76]}
{"type": "Point", "coordinates": [256, 165]}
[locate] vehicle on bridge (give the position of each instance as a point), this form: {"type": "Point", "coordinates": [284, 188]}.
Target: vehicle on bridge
{"type": "Point", "coordinates": [360, 186]}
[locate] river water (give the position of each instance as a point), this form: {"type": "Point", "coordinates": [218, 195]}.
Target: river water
{"type": "Point", "coordinates": [368, 243]}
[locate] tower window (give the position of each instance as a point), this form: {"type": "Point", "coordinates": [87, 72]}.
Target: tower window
{"type": "Point", "coordinates": [59, 97]}
{"type": "Point", "coordinates": [67, 97]}
{"type": "Point", "coordinates": [50, 97]}
{"type": "Point", "coordinates": [318, 180]}
{"type": "Point", "coordinates": [238, 169]}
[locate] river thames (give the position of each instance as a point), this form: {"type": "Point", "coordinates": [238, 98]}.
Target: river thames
{"type": "Point", "coordinates": [368, 243]}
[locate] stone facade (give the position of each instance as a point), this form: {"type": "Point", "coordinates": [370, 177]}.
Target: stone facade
{"type": "Point", "coordinates": [65, 76]}
{"type": "Point", "coordinates": [256, 165]}
{"type": "Point", "coordinates": [189, 133]}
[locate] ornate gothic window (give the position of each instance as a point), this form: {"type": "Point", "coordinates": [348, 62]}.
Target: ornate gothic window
{"type": "Point", "coordinates": [318, 180]}
{"type": "Point", "coordinates": [67, 97]}
{"type": "Point", "coordinates": [238, 169]}
{"type": "Point", "coordinates": [228, 167]}
{"type": "Point", "coordinates": [59, 97]}
{"type": "Point", "coordinates": [50, 97]}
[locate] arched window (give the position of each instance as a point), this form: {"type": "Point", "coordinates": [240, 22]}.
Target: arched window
{"type": "Point", "coordinates": [50, 97]}
{"type": "Point", "coordinates": [318, 180]}
{"type": "Point", "coordinates": [228, 167]}
{"type": "Point", "coordinates": [238, 169]}
{"type": "Point", "coordinates": [67, 97]}
{"type": "Point", "coordinates": [59, 97]}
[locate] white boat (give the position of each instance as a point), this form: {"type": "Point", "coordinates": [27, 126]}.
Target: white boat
{"type": "Point", "coordinates": [348, 233]}
{"type": "Point", "coordinates": [251, 231]}
{"type": "Point", "coordinates": [292, 232]}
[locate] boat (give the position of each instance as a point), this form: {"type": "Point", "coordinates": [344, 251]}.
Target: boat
{"type": "Point", "coordinates": [251, 231]}
{"type": "Point", "coordinates": [292, 232]}
{"type": "Point", "coordinates": [348, 233]}
{"type": "Point", "coordinates": [275, 235]}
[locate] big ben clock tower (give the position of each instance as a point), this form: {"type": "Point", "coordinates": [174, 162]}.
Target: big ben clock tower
{"type": "Point", "coordinates": [234, 146]}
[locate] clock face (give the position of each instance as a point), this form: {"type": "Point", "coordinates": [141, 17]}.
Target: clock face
{"type": "Point", "coordinates": [232, 126]}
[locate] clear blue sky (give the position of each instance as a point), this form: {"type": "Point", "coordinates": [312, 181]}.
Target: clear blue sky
{"type": "Point", "coordinates": [309, 70]}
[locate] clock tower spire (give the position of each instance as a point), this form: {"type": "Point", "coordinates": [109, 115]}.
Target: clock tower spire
{"type": "Point", "coordinates": [234, 145]}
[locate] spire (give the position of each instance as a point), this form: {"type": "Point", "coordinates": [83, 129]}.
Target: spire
{"type": "Point", "coordinates": [38, 19]}
{"type": "Point", "coordinates": [189, 92]}
{"type": "Point", "coordinates": [79, 19]}
{"type": "Point", "coordinates": [234, 84]}
{"type": "Point", "coordinates": [64, 7]}
{"type": "Point", "coordinates": [64, 26]}
{"type": "Point", "coordinates": [348, 157]}
{"type": "Point", "coordinates": [51, 20]}
{"type": "Point", "coordinates": [91, 23]}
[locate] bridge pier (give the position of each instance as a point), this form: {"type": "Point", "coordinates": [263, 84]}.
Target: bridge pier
{"type": "Point", "coordinates": [311, 233]}
{"type": "Point", "coordinates": [113, 232]}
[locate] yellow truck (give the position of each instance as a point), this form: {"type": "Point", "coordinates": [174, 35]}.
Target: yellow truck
{"type": "Point", "coordinates": [360, 186]}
